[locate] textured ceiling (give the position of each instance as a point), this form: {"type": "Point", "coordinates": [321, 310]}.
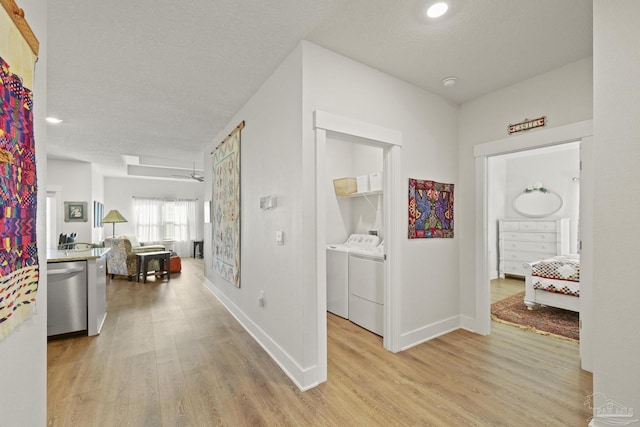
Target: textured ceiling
{"type": "Point", "coordinates": [157, 80]}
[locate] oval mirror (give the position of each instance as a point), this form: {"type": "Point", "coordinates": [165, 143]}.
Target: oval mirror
{"type": "Point", "coordinates": [536, 204]}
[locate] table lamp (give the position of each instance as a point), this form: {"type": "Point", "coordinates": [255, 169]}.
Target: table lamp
{"type": "Point", "coordinates": [112, 217]}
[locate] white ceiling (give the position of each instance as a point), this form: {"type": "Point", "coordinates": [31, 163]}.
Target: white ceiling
{"type": "Point", "coordinates": [157, 80]}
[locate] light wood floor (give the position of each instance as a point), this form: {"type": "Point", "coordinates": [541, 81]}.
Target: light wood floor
{"type": "Point", "coordinates": [504, 288]}
{"type": "Point", "coordinates": [171, 355]}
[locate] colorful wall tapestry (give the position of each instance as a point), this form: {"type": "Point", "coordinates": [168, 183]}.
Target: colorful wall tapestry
{"type": "Point", "coordinates": [226, 207]}
{"type": "Point", "coordinates": [430, 209]}
{"type": "Point", "coordinates": [18, 200]}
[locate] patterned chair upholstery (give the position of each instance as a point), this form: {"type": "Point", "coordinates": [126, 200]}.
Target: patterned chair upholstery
{"type": "Point", "coordinates": [122, 259]}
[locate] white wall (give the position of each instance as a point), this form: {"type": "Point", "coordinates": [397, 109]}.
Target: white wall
{"type": "Point", "coordinates": [270, 165]}
{"type": "Point", "coordinates": [555, 168]}
{"type": "Point", "coordinates": [339, 215]}
{"type": "Point", "coordinates": [23, 354]}
{"type": "Point", "coordinates": [496, 208]}
{"type": "Point", "coordinates": [336, 84]}
{"type": "Point", "coordinates": [564, 96]}
{"type": "Point", "coordinates": [119, 192]}
{"type": "Point", "coordinates": [615, 234]}
{"type": "Point", "coordinates": [355, 214]}
{"type": "Point", "coordinates": [97, 192]}
{"type": "Point", "coordinates": [76, 181]}
{"type": "Point", "coordinates": [278, 157]}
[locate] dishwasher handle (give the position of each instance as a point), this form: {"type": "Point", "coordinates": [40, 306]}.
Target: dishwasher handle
{"type": "Point", "coordinates": [65, 271]}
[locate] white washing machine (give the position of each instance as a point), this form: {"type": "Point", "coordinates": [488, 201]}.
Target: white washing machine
{"type": "Point", "coordinates": [366, 288]}
{"type": "Point", "coordinates": [338, 271]}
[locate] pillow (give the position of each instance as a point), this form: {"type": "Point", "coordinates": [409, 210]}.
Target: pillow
{"type": "Point", "coordinates": [133, 240]}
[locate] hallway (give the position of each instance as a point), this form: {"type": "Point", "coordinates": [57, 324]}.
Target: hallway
{"type": "Point", "coordinates": [170, 354]}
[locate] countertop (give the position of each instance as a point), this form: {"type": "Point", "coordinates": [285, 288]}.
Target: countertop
{"type": "Point", "coordinates": [55, 255]}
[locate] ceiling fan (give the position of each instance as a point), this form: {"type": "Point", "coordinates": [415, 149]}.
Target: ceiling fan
{"type": "Point", "coordinates": [193, 175]}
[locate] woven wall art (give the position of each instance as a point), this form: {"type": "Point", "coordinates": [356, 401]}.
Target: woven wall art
{"type": "Point", "coordinates": [18, 200]}
{"type": "Point", "coordinates": [430, 209]}
{"type": "Point", "coordinates": [226, 207]}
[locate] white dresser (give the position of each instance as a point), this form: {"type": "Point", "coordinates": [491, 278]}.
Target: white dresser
{"type": "Point", "coordinates": [529, 240]}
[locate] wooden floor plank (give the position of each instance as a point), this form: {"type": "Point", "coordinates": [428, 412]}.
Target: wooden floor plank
{"type": "Point", "coordinates": [170, 354]}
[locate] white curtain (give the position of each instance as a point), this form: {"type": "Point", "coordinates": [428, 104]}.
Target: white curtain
{"type": "Point", "coordinates": [172, 222]}
{"type": "Point", "coordinates": [184, 227]}
{"type": "Point", "coordinates": [148, 214]}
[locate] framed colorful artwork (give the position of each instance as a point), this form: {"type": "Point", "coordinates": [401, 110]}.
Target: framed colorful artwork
{"type": "Point", "coordinates": [430, 209]}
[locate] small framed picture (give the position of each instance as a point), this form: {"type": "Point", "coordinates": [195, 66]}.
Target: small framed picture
{"type": "Point", "coordinates": [75, 211]}
{"type": "Point", "coordinates": [98, 213]}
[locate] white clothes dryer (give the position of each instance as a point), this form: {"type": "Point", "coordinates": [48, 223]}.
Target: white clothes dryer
{"type": "Point", "coordinates": [366, 288]}
{"type": "Point", "coordinates": [338, 271]}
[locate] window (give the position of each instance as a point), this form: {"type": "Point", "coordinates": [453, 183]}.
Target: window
{"type": "Point", "coordinates": [159, 220]}
{"type": "Point", "coordinates": [168, 220]}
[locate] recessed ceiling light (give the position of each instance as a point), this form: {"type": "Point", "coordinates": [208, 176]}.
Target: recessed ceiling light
{"type": "Point", "coordinates": [449, 81]}
{"type": "Point", "coordinates": [54, 120]}
{"type": "Point", "coordinates": [436, 10]}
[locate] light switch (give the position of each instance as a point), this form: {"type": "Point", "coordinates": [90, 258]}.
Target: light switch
{"type": "Point", "coordinates": [280, 237]}
{"type": "Point", "coordinates": [268, 202]}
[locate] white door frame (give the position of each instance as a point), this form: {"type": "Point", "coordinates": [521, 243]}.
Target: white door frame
{"type": "Point", "coordinates": [390, 141]}
{"type": "Point", "coordinates": [55, 192]}
{"type": "Point", "coordinates": [580, 131]}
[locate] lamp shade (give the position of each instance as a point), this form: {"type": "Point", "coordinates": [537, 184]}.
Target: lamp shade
{"type": "Point", "coordinates": [112, 217]}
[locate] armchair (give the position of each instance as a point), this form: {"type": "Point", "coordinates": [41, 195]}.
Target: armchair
{"type": "Point", "coordinates": [122, 259]}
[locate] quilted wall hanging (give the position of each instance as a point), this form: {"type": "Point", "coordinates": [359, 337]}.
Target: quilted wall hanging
{"type": "Point", "coordinates": [430, 209]}
{"type": "Point", "coordinates": [18, 197]}
{"type": "Point", "coordinates": [226, 207]}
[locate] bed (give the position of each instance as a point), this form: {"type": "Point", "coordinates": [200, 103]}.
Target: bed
{"type": "Point", "coordinates": [554, 282]}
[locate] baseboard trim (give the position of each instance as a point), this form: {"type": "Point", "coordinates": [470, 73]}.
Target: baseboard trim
{"type": "Point", "coordinates": [303, 378]}
{"type": "Point", "coordinates": [429, 332]}
{"type": "Point", "coordinates": [468, 323]}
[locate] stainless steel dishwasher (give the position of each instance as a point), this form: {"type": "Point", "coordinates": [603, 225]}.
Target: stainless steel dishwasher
{"type": "Point", "coordinates": [66, 297]}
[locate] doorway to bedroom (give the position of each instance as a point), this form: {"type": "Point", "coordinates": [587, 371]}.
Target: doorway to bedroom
{"type": "Point", "coordinates": [533, 214]}
{"type": "Point", "coordinates": [580, 133]}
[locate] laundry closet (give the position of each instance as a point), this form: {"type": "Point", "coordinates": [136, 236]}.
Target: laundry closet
{"type": "Point", "coordinates": [355, 248]}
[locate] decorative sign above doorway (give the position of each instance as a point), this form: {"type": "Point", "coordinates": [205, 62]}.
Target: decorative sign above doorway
{"type": "Point", "coordinates": [527, 124]}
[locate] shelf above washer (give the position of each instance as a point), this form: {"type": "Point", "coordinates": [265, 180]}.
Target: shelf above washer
{"type": "Point", "coordinates": [368, 193]}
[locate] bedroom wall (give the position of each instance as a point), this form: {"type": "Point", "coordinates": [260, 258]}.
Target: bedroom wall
{"type": "Point", "coordinates": [564, 96]}
{"type": "Point", "coordinates": [616, 236]}
{"type": "Point", "coordinates": [555, 167]}
{"type": "Point", "coordinates": [23, 354]}
{"type": "Point", "coordinates": [496, 208]}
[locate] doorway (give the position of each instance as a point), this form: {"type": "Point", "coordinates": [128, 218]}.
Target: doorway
{"type": "Point", "coordinates": [390, 141]}
{"type": "Point", "coordinates": [523, 228]}
{"type": "Point", "coordinates": [577, 132]}
{"type": "Point", "coordinates": [53, 215]}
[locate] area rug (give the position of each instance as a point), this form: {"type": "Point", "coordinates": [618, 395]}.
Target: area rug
{"type": "Point", "coordinates": [544, 320]}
